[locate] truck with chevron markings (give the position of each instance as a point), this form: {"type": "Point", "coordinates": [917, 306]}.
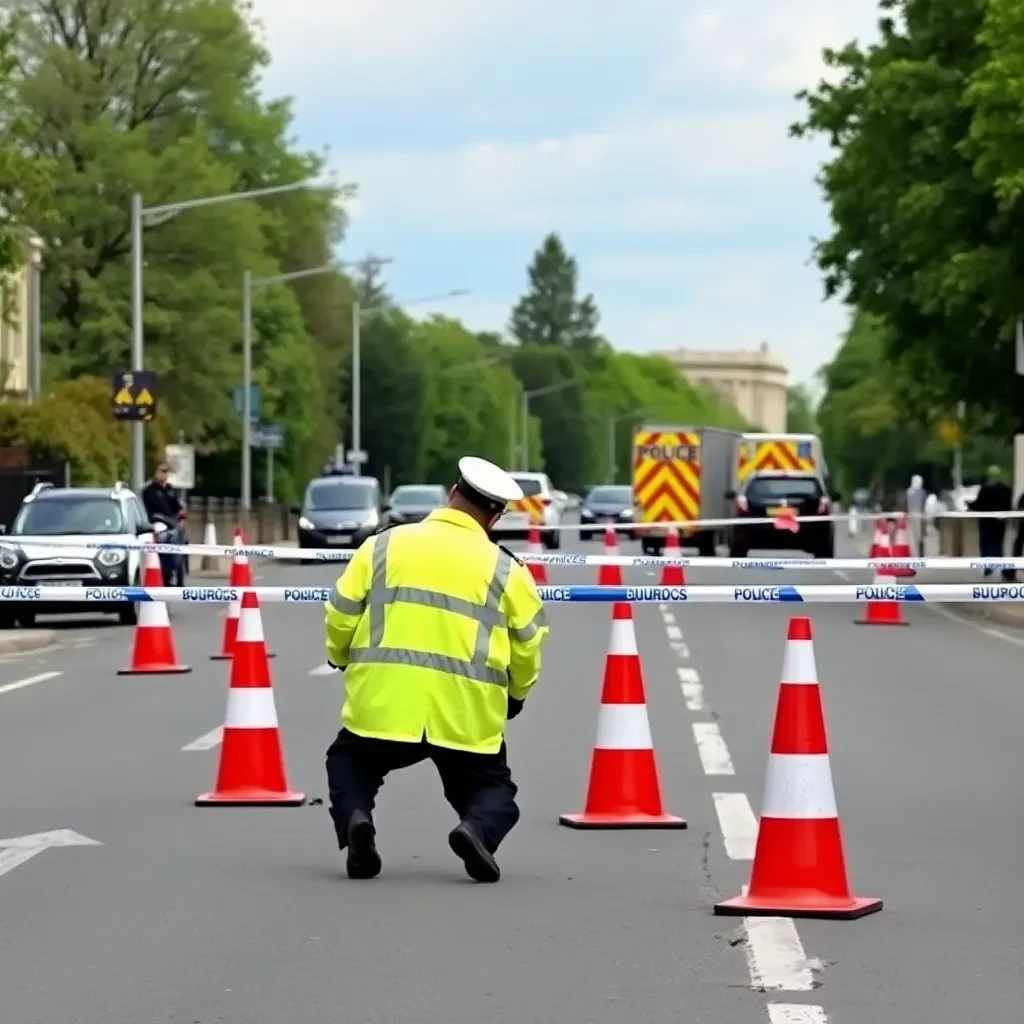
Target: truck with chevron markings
{"type": "Point", "coordinates": [681, 474]}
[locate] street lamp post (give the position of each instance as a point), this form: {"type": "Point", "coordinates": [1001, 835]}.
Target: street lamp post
{"type": "Point", "coordinates": [248, 284]}
{"type": "Point", "coordinates": [157, 215]}
{"type": "Point", "coordinates": [527, 395]}
{"type": "Point", "coordinates": [358, 313]}
{"type": "Point", "coordinates": [612, 423]}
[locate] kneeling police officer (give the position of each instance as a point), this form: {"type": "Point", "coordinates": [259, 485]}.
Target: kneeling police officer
{"type": "Point", "coordinates": [439, 632]}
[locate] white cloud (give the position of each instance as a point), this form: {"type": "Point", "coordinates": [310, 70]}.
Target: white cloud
{"type": "Point", "coordinates": [754, 46]}
{"type": "Point", "coordinates": [639, 174]}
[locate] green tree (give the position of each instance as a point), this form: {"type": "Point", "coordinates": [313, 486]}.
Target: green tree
{"type": "Point", "coordinates": [551, 313]}
{"type": "Point", "coordinates": [162, 97]}
{"type": "Point", "coordinates": [25, 181]}
{"type": "Point", "coordinates": [800, 418]}
{"type": "Point", "coordinates": [923, 189]}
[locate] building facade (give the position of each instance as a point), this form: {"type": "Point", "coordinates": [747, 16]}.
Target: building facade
{"type": "Point", "coordinates": [755, 383]}
{"type": "Point", "coordinates": [18, 312]}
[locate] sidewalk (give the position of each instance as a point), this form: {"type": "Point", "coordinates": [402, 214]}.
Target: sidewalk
{"type": "Point", "coordinates": [15, 641]}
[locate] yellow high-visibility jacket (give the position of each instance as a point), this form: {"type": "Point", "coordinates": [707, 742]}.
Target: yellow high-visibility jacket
{"type": "Point", "coordinates": [436, 627]}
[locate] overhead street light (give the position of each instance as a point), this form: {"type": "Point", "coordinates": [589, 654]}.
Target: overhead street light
{"type": "Point", "coordinates": [161, 214]}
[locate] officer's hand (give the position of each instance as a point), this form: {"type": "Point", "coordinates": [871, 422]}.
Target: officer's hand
{"type": "Point", "coordinates": [514, 707]}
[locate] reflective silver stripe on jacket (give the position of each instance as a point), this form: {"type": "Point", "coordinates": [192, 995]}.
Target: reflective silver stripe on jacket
{"type": "Point", "coordinates": [488, 617]}
{"type": "Point", "coordinates": [529, 631]}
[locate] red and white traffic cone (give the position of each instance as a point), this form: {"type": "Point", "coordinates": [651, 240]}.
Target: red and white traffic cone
{"type": "Point", "coordinates": [883, 612]}
{"type": "Point", "coordinates": [799, 868]}
{"type": "Point", "coordinates": [880, 541]}
{"type": "Point", "coordinates": [610, 575]}
{"type": "Point", "coordinates": [538, 570]}
{"type": "Point", "coordinates": [901, 549]}
{"type": "Point", "coordinates": [153, 651]}
{"type": "Point", "coordinates": [672, 575]}
{"type": "Point", "coordinates": [240, 577]}
{"type": "Point", "coordinates": [251, 770]}
{"type": "Point", "coordinates": [623, 791]}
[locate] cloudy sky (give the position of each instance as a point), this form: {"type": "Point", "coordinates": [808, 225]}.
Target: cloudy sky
{"type": "Point", "coordinates": [650, 134]}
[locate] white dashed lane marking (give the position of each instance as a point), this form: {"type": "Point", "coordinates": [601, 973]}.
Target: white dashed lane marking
{"type": "Point", "coordinates": [693, 691]}
{"type": "Point", "coordinates": [22, 684]}
{"type": "Point", "coordinates": [207, 741]}
{"type": "Point", "coordinates": [775, 955]}
{"type": "Point", "coordinates": [323, 670]}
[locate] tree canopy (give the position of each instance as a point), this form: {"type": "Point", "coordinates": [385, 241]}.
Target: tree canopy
{"type": "Point", "coordinates": [163, 98]}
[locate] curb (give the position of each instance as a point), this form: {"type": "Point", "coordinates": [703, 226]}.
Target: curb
{"type": "Point", "coordinates": [21, 640]}
{"type": "Point", "coordinates": [1005, 616]}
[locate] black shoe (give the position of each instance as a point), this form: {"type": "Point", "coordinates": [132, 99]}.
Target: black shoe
{"type": "Point", "coordinates": [469, 848]}
{"type": "Point", "coordinates": [363, 860]}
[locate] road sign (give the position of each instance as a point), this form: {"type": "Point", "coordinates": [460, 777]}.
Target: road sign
{"type": "Point", "coordinates": [16, 851]}
{"type": "Point", "coordinates": [254, 401]}
{"type": "Point", "coordinates": [134, 395]}
{"type": "Point", "coordinates": [266, 435]}
{"type": "Point", "coordinates": [357, 457]}
{"type": "Point", "coordinates": [950, 433]}
{"type": "Point", "coordinates": [181, 462]}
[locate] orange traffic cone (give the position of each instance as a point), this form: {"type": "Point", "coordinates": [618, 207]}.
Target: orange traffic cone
{"type": "Point", "coordinates": [538, 570]}
{"type": "Point", "coordinates": [901, 549]}
{"type": "Point", "coordinates": [610, 575]}
{"type": "Point", "coordinates": [623, 791]}
{"type": "Point", "coordinates": [251, 771]}
{"type": "Point", "coordinates": [883, 612]}
{"type": "Point", "coordinates": [672, 575]}
{"type": "Point", "coordinates": [153, 651]}
{"type": "Point", "coordinates": [241, 576]}
{"type": "Point", "coordinates": [799, 868]}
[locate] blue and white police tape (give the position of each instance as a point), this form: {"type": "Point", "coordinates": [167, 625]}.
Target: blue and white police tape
{"type": "Point", "coordinates": [341, 555]}
{"type": "Point", "coordinates": [750, 594]}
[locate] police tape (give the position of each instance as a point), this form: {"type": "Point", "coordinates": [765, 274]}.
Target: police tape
{"type": "Point", "coordinates": [329, 556]}
{"type": "Point", "coordinates": [751, 594]}
{"type": "Point", "coordinates": [340, 554]}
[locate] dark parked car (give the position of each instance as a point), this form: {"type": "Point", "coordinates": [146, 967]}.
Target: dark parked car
{"type": "Point", "coordinates": [411, 503]}
{"type": "Point", "coordinates": [339, 511]}
{"type": "Point", "coordinates": [766, 496]}
{"type": "Point", "coordinates": [607, 503]}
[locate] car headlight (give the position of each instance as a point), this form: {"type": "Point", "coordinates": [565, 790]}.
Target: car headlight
{"type": "Point", "coordinates": [306, 524]}
{"type": "Point", "coordinates": [111, 556]}
{"type": "Point", "coordinates": [396, 517]}
{"type": "Point", "coordinates": [9, 558]}
{"type": "Point", "coordinates": [627, 513]}
{"type": "Point", "coordinates": [585, 513]}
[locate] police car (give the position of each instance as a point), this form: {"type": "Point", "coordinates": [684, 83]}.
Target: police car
{"type": "Point", "coordinates": [74, 517]}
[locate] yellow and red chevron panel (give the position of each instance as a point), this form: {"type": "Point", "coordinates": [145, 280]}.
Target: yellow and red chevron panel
{"type": "Point", "coordinates": [666, 475]}
{"type": "Point", "coordinates": [774, 455]}
{"type": "Point", "coordinates": [532, 506]}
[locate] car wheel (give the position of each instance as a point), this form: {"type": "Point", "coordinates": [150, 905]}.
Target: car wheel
{"type": "Point", "coordinates": [26, 619]}
{"type": "Point", "coordinates": [7, 619]}
{"type": "Point", "coordinates": [738, 551]}
{"type": "Point", "coordinates": [586, 536]}
{"type": "Point", "coordinates": [553, 540]}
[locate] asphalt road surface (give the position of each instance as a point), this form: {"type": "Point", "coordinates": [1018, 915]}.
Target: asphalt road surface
{"type": "Point", "coordinates": [245, 916]}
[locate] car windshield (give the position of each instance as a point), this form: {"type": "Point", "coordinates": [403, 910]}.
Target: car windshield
{"type": "Point", "coordinates": [52, 518]}
{"type": "Point", "coordinates": [611, 495]}
{"type": "Point", "coordinates": [432, 497]}
{"type": "Point", "coordinates": [775, 488]}
{"type": "Point", "coordinates": [531, 486]}
{"type": "Point", "coordinates": [328, 495]}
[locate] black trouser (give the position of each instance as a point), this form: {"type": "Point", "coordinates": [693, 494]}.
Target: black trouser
{"type": "Point", "coordinates": [478, 786]}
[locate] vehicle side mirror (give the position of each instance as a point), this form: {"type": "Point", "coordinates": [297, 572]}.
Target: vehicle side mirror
{"type": "Point", "coordinates": [836, 496]}
{"type": "Point", "coordinates": [386, 507]}
{"type": "Point", "coordinates": [296, 510]}
{"type": "Point", "coordinates": [730, 495]}
{"type": "Point", "coordinates": [155, 528]}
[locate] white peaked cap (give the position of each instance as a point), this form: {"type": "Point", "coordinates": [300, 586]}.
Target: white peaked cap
{"type": "Point", "coordinates": [489, 480]}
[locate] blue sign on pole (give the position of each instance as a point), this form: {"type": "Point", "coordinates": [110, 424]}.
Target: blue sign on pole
{"type": "Point", "coordinates": [254, 401]}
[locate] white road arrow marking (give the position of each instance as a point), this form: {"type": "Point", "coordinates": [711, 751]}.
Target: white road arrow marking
{"type": "Point", "coordinates": [19, 849]}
